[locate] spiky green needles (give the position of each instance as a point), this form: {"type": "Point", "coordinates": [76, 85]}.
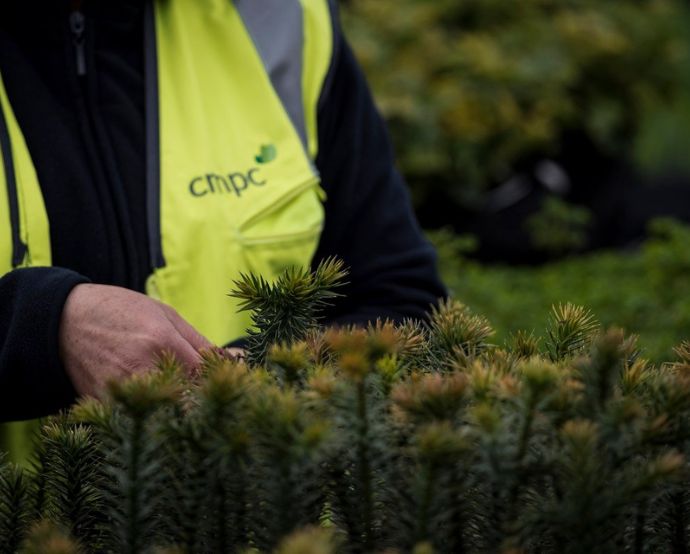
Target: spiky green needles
{"type": "Point", "coordinates": [406, 438]}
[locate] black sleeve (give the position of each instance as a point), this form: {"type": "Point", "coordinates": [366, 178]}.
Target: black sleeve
{"type": "Point", "coordinates": [369, 219]}
{"type": "Point", "coordinates": [33, 382]}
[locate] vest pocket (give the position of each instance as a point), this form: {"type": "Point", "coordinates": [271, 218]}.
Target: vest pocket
{"type": "Point", "coordinates": [286, 233]}
{"type": "Point", "coordinates": [260, 220]}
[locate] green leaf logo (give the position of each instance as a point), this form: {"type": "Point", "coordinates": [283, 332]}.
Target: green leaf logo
{"type": "Point", "coordinates": [267, 154]}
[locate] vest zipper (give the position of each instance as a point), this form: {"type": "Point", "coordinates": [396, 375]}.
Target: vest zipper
{"type": "Point", "coordinates": [19, 248]}
{"type": "Point", "coordinates": [77, 26]}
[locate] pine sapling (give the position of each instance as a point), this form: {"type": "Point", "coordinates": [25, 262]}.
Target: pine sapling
{"type": "Point", "coordinates": [411, 352]}
{"type": "Point", "coordinates": [38, 483]}
{"type": "Point", "coordinates": [182, 481]}
{"type": "Point", "coordinates": [569, 332]}
{"type": "Point", "coordinates": [206, 460]}
{"type": "Point", "coordinates": [432, 398]}
{"type": "Point", "coordinates": [437, 492]}
{"type": "Point", "coordinates": [523, 345]}
{"type": "Point", "coordinates": [456, 335]}
{"type": "Point", "coordinates": [134, 459]}
{"type": "Point", "coordinates": [284, 311]}
{"type": "Point", "coordinates": [362, 500]}
{"type": "Point", "coordinates": [602, 371]}
{"type": "Point", "coordinates": [74, 479]}
{"type": "Point", "coordinates": [288, 451]}
{"type": "Point", "coordinates": [290, 363]}
{"type": "Point", "coordinates": [14, 508]}
{"type": "Point", "coordinates": [224, 400]}
{"type": "Point", "coordinates": [538, 383]}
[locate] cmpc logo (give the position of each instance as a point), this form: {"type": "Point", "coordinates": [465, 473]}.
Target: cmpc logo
{"type": "Point", "coordinates": [267, 154]}
{"type": "Point", "coordinates": [233, 183]}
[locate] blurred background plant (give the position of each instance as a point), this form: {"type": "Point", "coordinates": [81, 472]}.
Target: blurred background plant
{"type": "Point", "coordinates": [542, 141]}
{"type": "Point", "coordinates": [494, 106]}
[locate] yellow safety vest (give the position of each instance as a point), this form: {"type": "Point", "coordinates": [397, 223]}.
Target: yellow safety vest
{"type": "Point", "coordinates": [232, 91]}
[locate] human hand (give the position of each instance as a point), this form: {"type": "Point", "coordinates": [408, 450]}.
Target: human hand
{"type": "Point", "coordinates": [109, 333]}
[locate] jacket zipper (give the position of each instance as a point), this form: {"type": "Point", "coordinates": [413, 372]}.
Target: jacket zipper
{"type": "Point", "coordinates": [80, 29]}
{"type": "Point", "coordinates": [19, 248]}
{"type": "Point", "coordinates": [153, 173]}
{"type": "Point", "coordinates": [77, 26]}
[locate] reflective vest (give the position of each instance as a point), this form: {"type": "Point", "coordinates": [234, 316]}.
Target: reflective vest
{"type": "Point", "coordinates": [232, 90]}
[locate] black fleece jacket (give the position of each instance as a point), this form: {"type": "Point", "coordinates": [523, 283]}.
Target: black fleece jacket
{"type": "Point", "coordinates": [86, 138]}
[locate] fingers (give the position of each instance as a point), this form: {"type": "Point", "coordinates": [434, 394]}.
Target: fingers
{"type": "Point", "coordinates": [185, 353]}
{"type": "Point", "coordinates": [186, 331]}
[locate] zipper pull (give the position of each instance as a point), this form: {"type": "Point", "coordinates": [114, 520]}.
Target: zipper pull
{"type": "Point", "coordinates": [77, 25]}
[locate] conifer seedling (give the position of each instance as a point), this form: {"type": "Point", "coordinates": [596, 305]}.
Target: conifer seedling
{"type": "Point", "coordinates": [283, 312]}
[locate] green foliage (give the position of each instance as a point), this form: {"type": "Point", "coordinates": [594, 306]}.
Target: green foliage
{"type": "Point", "coordinates": [283, 312]}
{"type": "Point", "coordinates": [645, 290]}
{"type": "Point", "coordinates": [206, 448]}
{"type": "Point", "coordinates": [287, 451]}
{"type": "Point", "coordinates": [470, 88]}
{"type": "Point", "coordinates": [14, 507]}
{"type": "Point", "coordinates": [405, 438]}
{"type": "Point", "coordinates": [70, 472]}
{"type": "Point", "coordinates": [456, 333]}
{"type": "Point", "coordinates": [559, 228]}
{"type": "Point", "coordinates": [360, 467]}
{"type": "Point", "coordinates": [569, 331]}
{"type": "Point", "coordinates": [129, 439]}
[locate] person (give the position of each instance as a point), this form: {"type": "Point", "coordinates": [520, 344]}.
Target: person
{"type": "Point", "coordinates": [154, 150]}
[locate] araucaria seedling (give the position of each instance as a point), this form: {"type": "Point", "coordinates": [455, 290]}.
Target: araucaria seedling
{"type": "Point", "coordinates": [407, 438]}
